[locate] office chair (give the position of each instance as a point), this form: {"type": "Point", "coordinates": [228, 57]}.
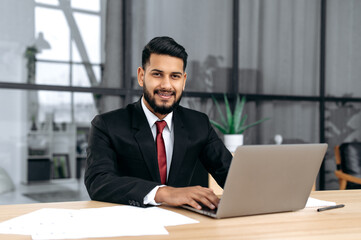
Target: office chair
{"type": "Point", "coordinates": [348, 162]}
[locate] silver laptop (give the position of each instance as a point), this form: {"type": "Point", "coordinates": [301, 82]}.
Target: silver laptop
{"type": "Point", "coordinates": [268, 179]}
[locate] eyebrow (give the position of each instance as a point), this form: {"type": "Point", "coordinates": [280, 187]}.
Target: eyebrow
{"type": "Point", "coordinates": [157, 70]}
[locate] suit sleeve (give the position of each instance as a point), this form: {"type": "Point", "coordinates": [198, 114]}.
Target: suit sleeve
{"type": "Point", "coordinates": [102, 179]}
{"type": "Point", "coordinates": [215, 157]}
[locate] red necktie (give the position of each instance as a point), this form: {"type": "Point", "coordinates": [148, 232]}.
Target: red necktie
{"type": "Point", "coordinates": [162, 158]}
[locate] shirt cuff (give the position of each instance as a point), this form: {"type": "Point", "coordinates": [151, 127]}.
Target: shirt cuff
{"type": "Point", "coordinates": [149, 198]}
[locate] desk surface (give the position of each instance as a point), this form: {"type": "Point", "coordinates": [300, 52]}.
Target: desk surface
{"type": "Point", "coordinates": [343, 223]}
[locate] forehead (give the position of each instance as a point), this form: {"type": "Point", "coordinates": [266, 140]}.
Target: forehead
{"type": "Point", "coordinates": [165, 63]}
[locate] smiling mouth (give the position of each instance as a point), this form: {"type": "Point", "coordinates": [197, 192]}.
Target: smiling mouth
{"type": "Point", "coordinates": [164, 94]}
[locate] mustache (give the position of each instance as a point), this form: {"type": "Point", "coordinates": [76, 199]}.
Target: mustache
{"type": "Point", "coordinates": [156, 91]}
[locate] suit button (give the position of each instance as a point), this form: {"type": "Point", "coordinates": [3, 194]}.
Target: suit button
{"type": "Point", "coordinates": [137, 204]}
{"type": "Point", "coordinates": [130, 202]}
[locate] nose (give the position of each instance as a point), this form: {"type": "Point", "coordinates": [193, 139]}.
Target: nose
{"type": "Point", "coordinates": [165, 83]}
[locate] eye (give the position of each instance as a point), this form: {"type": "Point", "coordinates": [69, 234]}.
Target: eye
{"type": "Point", "coordinates": [176, 76]}
{"type": "Point", "coordinates": [156, 74]}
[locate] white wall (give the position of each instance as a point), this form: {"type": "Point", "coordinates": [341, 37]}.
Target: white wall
{"type": "Point", "coordinates": [17, 32]}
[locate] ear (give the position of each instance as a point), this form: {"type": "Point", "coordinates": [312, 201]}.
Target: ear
{"type": "Point", "coordinates": [185, 80]}
{"type": "Point", "coordinates": [140, 74]}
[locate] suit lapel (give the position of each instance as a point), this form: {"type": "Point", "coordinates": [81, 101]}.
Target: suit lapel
{"type": "Point", "coordinates": [145, 141]}
{"type": "Point", "coordinates": [181, 142]}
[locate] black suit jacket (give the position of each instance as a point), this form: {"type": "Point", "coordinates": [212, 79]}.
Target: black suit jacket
{"type": "Point", "coordinates": [122, 164]}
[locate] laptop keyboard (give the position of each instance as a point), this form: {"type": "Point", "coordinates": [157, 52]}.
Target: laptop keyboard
{"type": "Point", "coordinates": [206, 210]}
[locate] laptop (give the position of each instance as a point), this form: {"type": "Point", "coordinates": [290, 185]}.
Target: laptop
{"type": "Point", "coordinates": [268, 179]}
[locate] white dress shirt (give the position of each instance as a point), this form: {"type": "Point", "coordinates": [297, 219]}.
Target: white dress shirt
{"type": "Point", "coordinates": [168, 137]}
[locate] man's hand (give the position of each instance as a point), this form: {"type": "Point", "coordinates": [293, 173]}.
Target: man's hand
{"type": "Point", "coordinates": [187, 195]}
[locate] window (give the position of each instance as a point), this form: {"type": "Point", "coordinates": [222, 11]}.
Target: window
{"type": "Point", "coordinates": [73, 57]}
{"type": "Point", "coordinates": [273, 52]}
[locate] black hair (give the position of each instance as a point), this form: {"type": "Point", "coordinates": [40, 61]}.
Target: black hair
{"type": "Point", "coordinates": [164, 46]}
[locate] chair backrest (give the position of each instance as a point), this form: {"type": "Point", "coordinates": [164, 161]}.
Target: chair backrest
{"type": "Point", "coordinates": [350, 154]}
{"type": "Point", "coordinates": [337, 157]}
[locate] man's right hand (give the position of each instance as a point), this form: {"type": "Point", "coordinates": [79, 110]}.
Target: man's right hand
{"type": "Point", "coordinates": [187, 195]}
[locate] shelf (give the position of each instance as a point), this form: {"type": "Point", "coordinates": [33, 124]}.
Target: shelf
{"type": "Point", "coordinates": [51, 149]}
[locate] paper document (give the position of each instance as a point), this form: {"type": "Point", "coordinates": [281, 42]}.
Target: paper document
{"type": "Point", "coordinates": [313, 202]}
{"type": "Point", "coordinates": [50, 223]}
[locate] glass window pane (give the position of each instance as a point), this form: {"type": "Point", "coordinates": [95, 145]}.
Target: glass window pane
{"type": "Point", "coordinates": [50, 2]}
{"type": "Point", "coordinates": [75, 53]}
{"type": "Point", "coordinates": [106, 103]}
{"type": "Point", "coordinates": [296, 122]}
{"type": "Point", "coordinates": [89, 26]}
{"type": "Point", "coordinates": [52, 73]}
{"type": "Point", "coordinates": [36, 126]}
{"type": "Point", "coordinates": [204, 105]}
{"type": "Point", "coordinates": [84, 108]}
{"type": "Point", "coordinates": [92, 5]}
{"type": "Point", "coordinates": [302, 125]}
{"type": "Point", "coordinates": [81, 78]}
{"type": "Point", "coordinates": [343, 48]}
{"type": "Point", "coordinates": [279, 47]}
{"type": "Point", "coordinates": [203, 27]}
{"type": "Point", "coordinates": [56, 104]}
{"type": "Point", "coordinates": [53, 25]}
{"type": "Point", "coordinates": [342, 124]}
{"type": "Point", "coordinates": [58, 74]}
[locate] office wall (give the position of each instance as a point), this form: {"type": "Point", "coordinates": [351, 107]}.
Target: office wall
{"type": "Point", "coordinates": [17, 32]}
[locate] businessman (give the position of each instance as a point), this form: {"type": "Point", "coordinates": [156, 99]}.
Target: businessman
{"type": "Point", "coordinates": [146, 153]}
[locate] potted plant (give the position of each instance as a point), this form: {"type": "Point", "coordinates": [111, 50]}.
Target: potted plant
{"type": "Point", "coordinates": [233, 124]}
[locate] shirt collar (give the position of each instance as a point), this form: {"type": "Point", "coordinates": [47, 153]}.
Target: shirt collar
{"type": "Point", "coordinates": [153, 118]}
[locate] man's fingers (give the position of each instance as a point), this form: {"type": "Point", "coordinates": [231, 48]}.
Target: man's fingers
{"type": "Point", "coordinates": [209, 196]}
{"type": "Point", "coordinates": [193, 196]}
{"type": "Point", "coordinates": [204, 196]}
{"type": "Point", "coordinates": [194, 204]}
{"type": "Point", "coordinates": [207, 203]}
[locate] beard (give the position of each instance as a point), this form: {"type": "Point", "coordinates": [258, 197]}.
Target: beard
{"type": "Point", "coordinates": [161, 109]}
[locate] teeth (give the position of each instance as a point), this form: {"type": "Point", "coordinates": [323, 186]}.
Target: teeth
{"type": "Point", "coordinates": [165, 94]}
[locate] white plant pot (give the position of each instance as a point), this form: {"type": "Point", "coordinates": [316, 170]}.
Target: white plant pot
{"type": "Point", "coordinates": [232, 141]}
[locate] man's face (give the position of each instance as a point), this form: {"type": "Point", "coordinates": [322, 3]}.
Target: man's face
{"type": "Point", "coordinates": [163, 81]}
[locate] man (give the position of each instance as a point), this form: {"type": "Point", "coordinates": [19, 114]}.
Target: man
{"type": "Point", "coordinates": [131, 160]}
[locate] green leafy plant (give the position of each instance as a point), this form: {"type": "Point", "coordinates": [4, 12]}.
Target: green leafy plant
{"type": "Point", "coordinates": [233, 123]}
